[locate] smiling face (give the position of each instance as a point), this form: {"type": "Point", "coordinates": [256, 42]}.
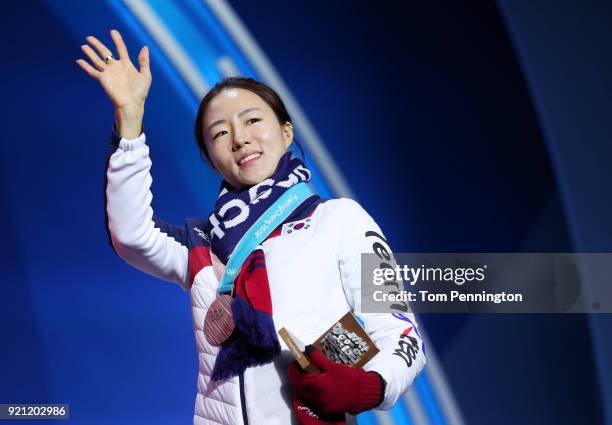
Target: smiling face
{"type": "Point", "coordinates": [243, 137]}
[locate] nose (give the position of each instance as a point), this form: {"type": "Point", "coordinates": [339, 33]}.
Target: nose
{"type": "Point", "coordinates": [241, 138]}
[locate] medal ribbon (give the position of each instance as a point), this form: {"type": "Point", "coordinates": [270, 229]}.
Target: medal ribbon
{"type": "Point", "coordinates": [261, 229]}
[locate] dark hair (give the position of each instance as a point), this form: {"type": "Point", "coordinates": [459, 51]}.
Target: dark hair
{"type": "Point", "coordinates": [266, 93]}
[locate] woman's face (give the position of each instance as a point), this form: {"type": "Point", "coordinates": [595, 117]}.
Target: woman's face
{"type": "Point", "coordinates": [244, 138]}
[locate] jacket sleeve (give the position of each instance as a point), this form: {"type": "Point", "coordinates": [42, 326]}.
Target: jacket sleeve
{"type": "Point", "coordinates": [140, 238]}
{"type": "Point", "coordinates": [396, 335]}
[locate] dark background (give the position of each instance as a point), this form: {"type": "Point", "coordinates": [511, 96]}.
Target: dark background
{"type": "Point", "coordinates": [460, 127]}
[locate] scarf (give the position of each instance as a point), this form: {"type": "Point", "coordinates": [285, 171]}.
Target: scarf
{"type": "Point", "coordinates": [253, 341]}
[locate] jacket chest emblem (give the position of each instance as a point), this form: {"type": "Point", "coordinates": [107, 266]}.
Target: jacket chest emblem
{"type": "Point", "coordinates": [296, 226]}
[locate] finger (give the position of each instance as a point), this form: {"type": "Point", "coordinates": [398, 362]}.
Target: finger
{"type": "Point", "coordinates": [99, 63]}
{"type": "Point", "coordinates": [302, 382]}
{"type": "Point", "coordinates": [320, 360]}
{"type": "Point", "coordinates": [101, 48]}
{"type": "Point", "coordinates": [94, 73]}
{"type": "Point", "coordinates": [143, 60]}
{"type": "Point", "coordinates": [297, 376]}
{"type": "Point", "coordinates": [120, 45]}
{"type": "Point", "coordinates": [294, 373]}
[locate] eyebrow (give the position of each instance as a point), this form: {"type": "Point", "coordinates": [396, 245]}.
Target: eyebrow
{"type": "Point", "coordinates": [241, 113]}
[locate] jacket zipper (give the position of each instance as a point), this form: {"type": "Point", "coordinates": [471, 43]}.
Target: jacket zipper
{"type": "Point", "coordinates": [245, 418]}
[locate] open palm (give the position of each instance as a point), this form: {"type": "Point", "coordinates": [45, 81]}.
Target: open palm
{"type": "Point", "coordinates": [123, 83]}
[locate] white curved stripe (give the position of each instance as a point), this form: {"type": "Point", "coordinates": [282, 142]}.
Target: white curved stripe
{"type": "Point", "coordinates": [440, 386]}
{"type": "Point", "coordinates": [169, 45]}
{"type": "Point", "coordinates": [226, 67]}
{"type": "Point", "coordinates": [415, 406]}
{"type": "Point", "coordinates": [382, 417]}
{"type": "Point", "coordinates": [264, 68]}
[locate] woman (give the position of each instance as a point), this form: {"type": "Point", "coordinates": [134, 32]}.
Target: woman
{"type": "Point", "coordinates": [295, 258]}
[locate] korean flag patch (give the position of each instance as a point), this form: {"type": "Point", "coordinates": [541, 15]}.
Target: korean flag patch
{"type": "Point", "coordinates": [296, 226]}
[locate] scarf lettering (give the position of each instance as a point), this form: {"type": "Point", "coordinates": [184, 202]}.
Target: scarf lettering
{"type": "Point", "coordinates": [234, 203]}
{"type": "Point", "coordinates": [299, 173]}
{"type": "Point", "coordinates": [255, 198]}
{"type": "Point", "coordinates": [249, 199]}
{"type": "Point", "coordinates": [215, 228]}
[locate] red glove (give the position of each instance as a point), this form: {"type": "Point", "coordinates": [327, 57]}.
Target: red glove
{"type": "Point", "coordinates": [338, 388]}
{"type": "Point", "coordinates": [307, 416]}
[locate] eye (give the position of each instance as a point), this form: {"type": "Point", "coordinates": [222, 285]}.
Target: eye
{"type": "Point", "coordinates": [219, 134]}
{"type": "Point", "coordinates": [253, 120]}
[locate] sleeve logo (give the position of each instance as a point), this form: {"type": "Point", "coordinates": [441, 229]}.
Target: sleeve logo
{"type": "Point", "coordinates": [408, 347]}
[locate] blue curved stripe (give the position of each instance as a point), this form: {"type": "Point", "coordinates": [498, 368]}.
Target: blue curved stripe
{"type": "Point", "coordinates": [366, 418]}
{"type": "Point", "coordinates": [139, 31]}
{"type": "Point", "coordinates": [194, 42]}
{"type": "Point", "coordinates": [400, 414]}
{"type": "Point", "coordinates": [430, 403]}
{"type": "Point", "coordinates": [205, 19]}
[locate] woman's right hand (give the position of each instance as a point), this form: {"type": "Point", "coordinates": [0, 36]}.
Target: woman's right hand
{"type": "Point", "coordinates": [126, 86]}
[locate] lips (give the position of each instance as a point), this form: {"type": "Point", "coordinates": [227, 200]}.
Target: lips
{"type": "Point", "coordinates": [249, 157]}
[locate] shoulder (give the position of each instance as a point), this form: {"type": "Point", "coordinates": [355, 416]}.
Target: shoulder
{"type": "Point", "coordinates": [344, 210]}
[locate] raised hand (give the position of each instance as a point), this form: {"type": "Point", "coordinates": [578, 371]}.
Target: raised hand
{"type": "Point", "coordinates": [125, 85]}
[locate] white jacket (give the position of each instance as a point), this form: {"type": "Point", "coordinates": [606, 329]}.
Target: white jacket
{"type": "Point", "coordinates": [314, 275]}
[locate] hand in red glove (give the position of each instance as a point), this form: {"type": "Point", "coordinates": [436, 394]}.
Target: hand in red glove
{"type": "Point", "coordinates": [338, 388]}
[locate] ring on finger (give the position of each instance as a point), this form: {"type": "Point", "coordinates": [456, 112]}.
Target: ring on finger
{"type": "Point", "coordinates": [109, 58]}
